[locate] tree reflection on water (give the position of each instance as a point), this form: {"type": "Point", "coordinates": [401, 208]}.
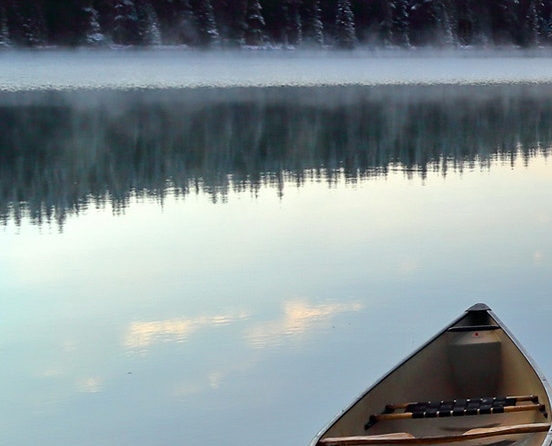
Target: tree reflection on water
{"type": "Point", "coordinates": [61, 152]}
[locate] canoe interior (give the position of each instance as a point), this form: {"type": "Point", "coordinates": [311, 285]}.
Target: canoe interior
{"type": "Point", "coordinates": [459, 363]}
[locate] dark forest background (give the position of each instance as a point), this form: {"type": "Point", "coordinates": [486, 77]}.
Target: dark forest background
{"type": "Point", "coordinates": [276, 23]}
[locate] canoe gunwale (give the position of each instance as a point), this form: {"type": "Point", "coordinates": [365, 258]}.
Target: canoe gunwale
{"type": "Point", "coordinates": [404, 438]}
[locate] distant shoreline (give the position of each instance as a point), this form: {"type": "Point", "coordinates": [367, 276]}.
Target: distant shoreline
{"type": "Point", "coordinates": [365, 50]}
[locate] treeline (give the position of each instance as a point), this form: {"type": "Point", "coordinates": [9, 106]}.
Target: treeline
{"type": "Point", "coordinates": [275, 23]}
{"type": "Point", "coordinates": [60, 153]}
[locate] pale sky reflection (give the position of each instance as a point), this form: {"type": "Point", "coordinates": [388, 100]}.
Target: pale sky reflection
{"type": "Point", "coordinates": [298, 318]}
{"type": "Point", "coordinates": [143, 334]}
{"type": "Point", "coordinates": [91, 384]}
{"type": "Point", "coordinates": [212, 380]}
{"type": "Point", "coordinates": [538, 258]}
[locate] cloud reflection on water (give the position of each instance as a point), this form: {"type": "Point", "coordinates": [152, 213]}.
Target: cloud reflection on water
{"type": "Point", "coordinates": [144, 334]}
{"type": "Point", "coordinates": [298, 318]}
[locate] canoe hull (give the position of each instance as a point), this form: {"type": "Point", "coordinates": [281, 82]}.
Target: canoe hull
{"type": "Point", "coordinates": [473, 357]}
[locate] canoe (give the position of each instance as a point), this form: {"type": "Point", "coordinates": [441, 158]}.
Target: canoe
{"type": "Point", "coordinates": [472, 383]}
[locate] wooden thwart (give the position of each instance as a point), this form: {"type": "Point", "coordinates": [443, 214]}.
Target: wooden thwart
{"type": "Point", "coordinates": [406, 438]}
{"type": "Point", "coordinates": [522, 398]}
{"type": "Point", "coordinates": [408, 415]}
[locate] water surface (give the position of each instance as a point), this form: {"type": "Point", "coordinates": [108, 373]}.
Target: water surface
{"type": "Point", "coordinates": [208, 266]}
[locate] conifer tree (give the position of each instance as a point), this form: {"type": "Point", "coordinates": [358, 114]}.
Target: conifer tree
{"type": "Point", "coordinates": [472, 29]}
{"type": "Point", "coordinates": [14, 21]}
{"type": "Point", "coordinates": [255, 24]}
{"type": "Point", "coordinates": [345, 36]}
{"type": "Point", "coordinates": [313, 31]}
{"type": "Point", "coordinates": [546, 27]}
{"type": "Point", "coordinates": [186, 26]}
{"type": "Point", "coordinates": [148, 23]}
{"type": "Point", "coordinates": [91, 32]}
{"type": "Point", "coordinates": [4, 30]}
{"type": "Point", "coordinates": [444, 25]}
{"type": "Point", "coordinates": [400, 22]}
{"type": "Point", "coordinates": [232, 14]}
{"type": "Point", "coordinates": [207, 27]}
{"type": "Point", "coordinates": [505, 22]}
{"type": "Point", "coordinates": [530, 24]}
{"type": "Point", "coordinates": [32, 30]}
{"type": "Point", "coordinates": [126, 28]}
{"type": "Point", "coordinates": [293, 34]}
{"type": "Point", "coordinates": [386, 22]}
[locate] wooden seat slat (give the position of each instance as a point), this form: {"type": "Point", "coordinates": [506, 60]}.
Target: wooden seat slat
{"type": "Point", "coordinates": [399, 438]}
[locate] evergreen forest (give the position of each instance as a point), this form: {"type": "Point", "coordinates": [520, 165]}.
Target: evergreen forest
{"type": "Point", "coordinates": [276, 23]}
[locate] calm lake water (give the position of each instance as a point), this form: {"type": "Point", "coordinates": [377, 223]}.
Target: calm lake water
{"type": "Point", "coordinates": [200, 249]}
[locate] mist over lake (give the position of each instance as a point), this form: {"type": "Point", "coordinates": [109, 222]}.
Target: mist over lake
{"type": "Point", "coordinates": [228, 248]}
{"type": "Point", "coordinates": [172, 68]}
